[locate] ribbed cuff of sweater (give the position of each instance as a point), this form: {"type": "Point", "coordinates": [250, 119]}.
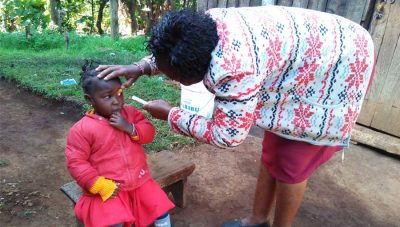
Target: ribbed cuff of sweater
{"type": "Point", "coordinates": [104, 187]}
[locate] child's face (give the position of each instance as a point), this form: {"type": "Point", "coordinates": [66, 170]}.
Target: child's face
{"type": "Point", "coordinates": [106, 97]}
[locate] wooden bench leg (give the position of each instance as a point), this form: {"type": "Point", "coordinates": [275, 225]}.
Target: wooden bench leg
{"type": "Point", "coordinates": [78, 223]}
{"type": "Point", "coordinates": [178, 192]}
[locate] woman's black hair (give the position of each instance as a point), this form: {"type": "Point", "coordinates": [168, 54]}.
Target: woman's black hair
{"type": "Point", "coordinates": [88, 76]}
{"type": "Point", "coordinates": [185, 39]}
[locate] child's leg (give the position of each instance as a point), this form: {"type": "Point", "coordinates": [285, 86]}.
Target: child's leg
{"type": "Point", "coordinates": [288, 200]}
{"type": "Point", "coordinates": [163, 221]}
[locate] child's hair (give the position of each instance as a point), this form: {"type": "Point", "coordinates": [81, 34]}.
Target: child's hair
{"type": "Point", "coordinates": [89, 75]}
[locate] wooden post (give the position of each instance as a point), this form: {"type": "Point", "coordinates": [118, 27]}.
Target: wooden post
{"type": "Point", "coordinates": [178, 192]}
{"type": "Point", "coordinates": [66, 38]}
{"type": "Point", "coordinates": [28, 33]}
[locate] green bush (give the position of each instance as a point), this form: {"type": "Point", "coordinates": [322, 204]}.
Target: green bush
{"type": "Point", "coordinates": [49, 40]}
{"type": "Point", "coordinates": [38, 41]}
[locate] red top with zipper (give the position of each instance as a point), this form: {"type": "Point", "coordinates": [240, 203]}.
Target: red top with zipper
{"type": "Point", "coordinates": [95, 148]}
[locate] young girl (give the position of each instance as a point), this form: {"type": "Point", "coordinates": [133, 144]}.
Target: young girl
{"type": "Point", "coordinates": [104, 154]}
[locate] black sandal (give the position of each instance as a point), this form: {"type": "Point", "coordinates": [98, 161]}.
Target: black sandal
{"type": "Point", "coordinates": [238, 223]}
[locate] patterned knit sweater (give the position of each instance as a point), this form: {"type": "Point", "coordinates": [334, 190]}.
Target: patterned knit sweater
{"type": "Point", "coordinates": [298, 73]}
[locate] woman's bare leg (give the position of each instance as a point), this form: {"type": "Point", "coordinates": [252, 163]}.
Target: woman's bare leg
{"type": "Point", "coordinates": [263, 199]}
{"type": "Point", "coordinates": [288, 200]}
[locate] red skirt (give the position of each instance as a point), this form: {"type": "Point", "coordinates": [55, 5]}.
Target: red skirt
{"type": "Point", "coordinates": [291, 161]}
{"type": "Point", "coordinates": [140, 207]}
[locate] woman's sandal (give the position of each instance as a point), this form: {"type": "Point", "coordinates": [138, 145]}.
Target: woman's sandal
{"type": "Point", "coordinates": [238, 223]}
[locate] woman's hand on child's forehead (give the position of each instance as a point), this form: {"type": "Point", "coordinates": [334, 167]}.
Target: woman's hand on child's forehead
{"type": "Point", "coordinates": [108, 72]}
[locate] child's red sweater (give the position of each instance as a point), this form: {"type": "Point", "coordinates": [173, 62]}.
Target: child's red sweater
{"type": "Point", "coordinates": [95, 148]}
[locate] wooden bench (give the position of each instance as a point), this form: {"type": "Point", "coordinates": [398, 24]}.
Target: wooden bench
{"type": "Point", "coordinates": [167, 169]}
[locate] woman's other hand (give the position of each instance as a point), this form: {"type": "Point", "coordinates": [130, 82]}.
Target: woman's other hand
{"type": "Point", "coordinates": [158, 109]}
{"type": "Point", "coordinates": [130, 72]}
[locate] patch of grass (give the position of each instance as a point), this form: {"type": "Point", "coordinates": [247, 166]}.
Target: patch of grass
{"type": "Point", "coordinates": [28, 212]}
{"type": "Point", "coordinates": [4, 162]}
{"type": "Point", "coordinates": [40, 63]}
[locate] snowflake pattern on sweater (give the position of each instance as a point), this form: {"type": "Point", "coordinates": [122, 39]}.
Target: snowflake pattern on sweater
{"type": "Point", "coordinates": [298, 73]}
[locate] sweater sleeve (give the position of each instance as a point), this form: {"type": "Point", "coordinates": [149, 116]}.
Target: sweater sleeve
{"type": "Point", "coordinates": [235, 102]}
{"type": "Point", "coordinates": [144, 128]}
{"type": "Point", "coordinates": [77, 153]}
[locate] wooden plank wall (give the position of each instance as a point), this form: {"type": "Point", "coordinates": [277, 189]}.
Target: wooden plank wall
{"type": "Point", "coordinates": [381, 107]}
{"type": "Point", "coordinates": [359, 11]}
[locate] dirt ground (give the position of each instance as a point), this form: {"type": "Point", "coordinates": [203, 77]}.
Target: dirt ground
{"type": "Point", "coordinates": [361, 191]}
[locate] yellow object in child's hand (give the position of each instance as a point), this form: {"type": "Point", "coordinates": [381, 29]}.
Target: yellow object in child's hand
{"type": "Point", "coordinates": [104, 187]}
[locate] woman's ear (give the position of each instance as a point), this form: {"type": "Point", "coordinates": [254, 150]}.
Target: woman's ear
{"type": "Point", "coordinates": [89, 99]}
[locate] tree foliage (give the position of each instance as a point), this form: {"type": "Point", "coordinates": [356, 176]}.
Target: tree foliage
{"type": "Point", "coordinates": [86, 16]}
{"type": "Point", "coordinates": [22, 13]}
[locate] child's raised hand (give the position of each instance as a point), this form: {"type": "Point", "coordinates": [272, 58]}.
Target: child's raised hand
{"type": "Point", "coordinates": [119, 122]}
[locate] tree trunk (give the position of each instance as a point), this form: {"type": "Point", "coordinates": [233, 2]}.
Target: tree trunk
{"type": "Point", "coordinates": [28, 33]}
{"type": "Point", "coordinates": [92, 19]}
{"type": "Point", "coordinates": [168, 6]}
{"type": "Point", "coordinates": [5, 19]}
{"type": "Point", "coordinates": [114, 18]}
{"type": "Point", "coordinates": [132, 8]}
{"type": "Point", "coordinates": [66, 37]}
{"type": "Point", "coordinates": [100, 16]}
{"type": "Point", "coordinates": [149, 17]}
{"type": "Point", "coordinates": [155, 13]}
{"type": "Point", "coordinates": [54, 11]}
{"type": "Point", "coordinates": [128, 8]}
{"type": "Point", "coordinates": [11, 26]}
